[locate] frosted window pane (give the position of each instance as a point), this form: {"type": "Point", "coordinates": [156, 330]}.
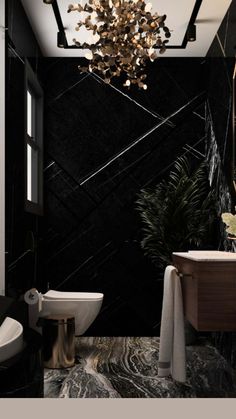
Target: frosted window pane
{"type": "Point", "coordinates": [29, 114]}
{"type": "Point", "coordinates": [32, 174]}
{"type": "Point", "coordinates": [29, 172]}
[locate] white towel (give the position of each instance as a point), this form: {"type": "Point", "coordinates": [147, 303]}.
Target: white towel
{"type": "Point", "coordinates": [172, 358]}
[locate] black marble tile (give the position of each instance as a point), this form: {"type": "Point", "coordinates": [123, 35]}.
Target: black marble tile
{"type": "Point", "coordinates": [69, 192]}
{"type": "Point", "coordinates": [126, 367]}
{"type": "Point", "coordinates": [171, 83]}
{"type": "Point", "coordinates": [63, 219]}
{"type": "Point", "coordinates": [91, 126]}
{"type": "Point", "coordinates": [220, 108]}
{"type": "Point", "coordinates": [229, 34]}
{"type": "Point", "coordinates": [224, 42]}
{"type": "Point", "coordinates": [59, 75]}
{"type": "Point", "coordinates": [188, 133]}
{"type": "Point", "coordinates": [219, 154]}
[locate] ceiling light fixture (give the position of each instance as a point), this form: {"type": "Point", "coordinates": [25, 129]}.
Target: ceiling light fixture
{"type": "Point", "coordinates": [191, 33]}
{"type": "Point", "coordinates": [124, 37]}
{"type": "Point", "coordinates": [61, 39]}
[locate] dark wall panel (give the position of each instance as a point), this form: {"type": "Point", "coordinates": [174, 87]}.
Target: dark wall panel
{"type": "Point", "coordinates": [220, 106]}
{"type": "Point", "coordinates": [22, 265]}
{"type": "Point", "coordinates": [219, 155]}
{"type": "Point", "coordinates": [19, 30]}
{"type": "Point", "coordinates": [102, 145]}
{"type": "Point", "coordinates": [224, 43]}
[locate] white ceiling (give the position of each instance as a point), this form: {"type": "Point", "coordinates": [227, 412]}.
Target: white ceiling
{"type": "Point", "coordinates": [178, 13]}
{"type": "Point", "coordinates": [178, 26]}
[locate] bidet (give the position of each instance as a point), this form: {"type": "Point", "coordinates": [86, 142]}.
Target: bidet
{"type": "Point", "coordinates": [11, 338]}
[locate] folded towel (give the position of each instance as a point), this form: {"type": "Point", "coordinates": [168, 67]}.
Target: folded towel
{"type": "Point", "coordinates": [172, 338]}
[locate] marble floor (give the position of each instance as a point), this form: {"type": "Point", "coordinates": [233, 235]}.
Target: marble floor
{"type": "Point", "coordinates": [126, 367]}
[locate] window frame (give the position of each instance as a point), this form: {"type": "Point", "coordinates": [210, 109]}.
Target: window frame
{"type": "Point", "coordinates": [234, 127]}
{"type": "Point", "coordinates": [32, 86]}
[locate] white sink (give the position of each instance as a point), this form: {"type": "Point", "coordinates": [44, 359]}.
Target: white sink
{"type": "Point", "coordinates": [11, 338]}
{"type": "Point", "coordinates": [208, 255]}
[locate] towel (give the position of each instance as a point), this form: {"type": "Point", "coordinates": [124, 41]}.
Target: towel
{"type": "Point", "coordinates": [172, 358]}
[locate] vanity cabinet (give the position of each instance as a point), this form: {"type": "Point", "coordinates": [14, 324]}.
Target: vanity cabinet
{"type": "Point", "coordinates": [209, 289]}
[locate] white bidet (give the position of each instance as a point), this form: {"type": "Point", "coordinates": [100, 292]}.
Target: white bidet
{"type": "Point", "coordinates": [11, 338]}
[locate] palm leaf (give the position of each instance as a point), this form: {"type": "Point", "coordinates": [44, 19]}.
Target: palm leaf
{"type": "Point", "coordinates": [178, 213]}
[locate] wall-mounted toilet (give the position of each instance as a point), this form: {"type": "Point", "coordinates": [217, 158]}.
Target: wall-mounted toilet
{"type": "Point", "coordinates": [83, 306]}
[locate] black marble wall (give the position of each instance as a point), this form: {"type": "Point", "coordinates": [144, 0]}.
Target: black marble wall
{"type": "Point", "coordinates": [224, 43]}
{"type": "Point", "coordinates": [219, 128]}
{"type": "Point", "coordinates": [103, 144]}
{"type": "Point", "coordinates": [21, 227]}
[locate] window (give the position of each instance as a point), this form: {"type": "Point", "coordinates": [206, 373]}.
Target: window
{"type": "Point", "coordinates": [33, 143]}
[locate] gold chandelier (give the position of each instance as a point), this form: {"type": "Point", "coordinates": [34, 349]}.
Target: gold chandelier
{"type": "Point", "coordinates": [125, 36]}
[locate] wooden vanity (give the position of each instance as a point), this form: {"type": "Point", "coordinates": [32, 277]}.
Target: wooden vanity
{"type": "Point", "coordinates": [209, 289]}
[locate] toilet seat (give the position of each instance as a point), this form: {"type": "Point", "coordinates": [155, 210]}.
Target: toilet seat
{"type": "Point", "coordinates": [65, 295]}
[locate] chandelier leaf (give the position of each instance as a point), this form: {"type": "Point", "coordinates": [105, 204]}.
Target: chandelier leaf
{"type": "Point", "coordinates": [125, 35]}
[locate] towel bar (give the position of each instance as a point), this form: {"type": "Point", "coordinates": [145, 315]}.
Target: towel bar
{"type": "Point", "coordinates": [182, 275]}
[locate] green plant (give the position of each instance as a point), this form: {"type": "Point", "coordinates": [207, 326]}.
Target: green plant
{"type": "Point", "coordinates": [178, 213]}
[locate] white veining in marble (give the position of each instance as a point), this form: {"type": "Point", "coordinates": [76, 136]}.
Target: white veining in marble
{"type": "Point", "coordinates": [126, 367]}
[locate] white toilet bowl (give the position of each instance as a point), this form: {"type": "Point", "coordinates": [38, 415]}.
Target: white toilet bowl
{"type": "Point", "coordinates": [83, 306]}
